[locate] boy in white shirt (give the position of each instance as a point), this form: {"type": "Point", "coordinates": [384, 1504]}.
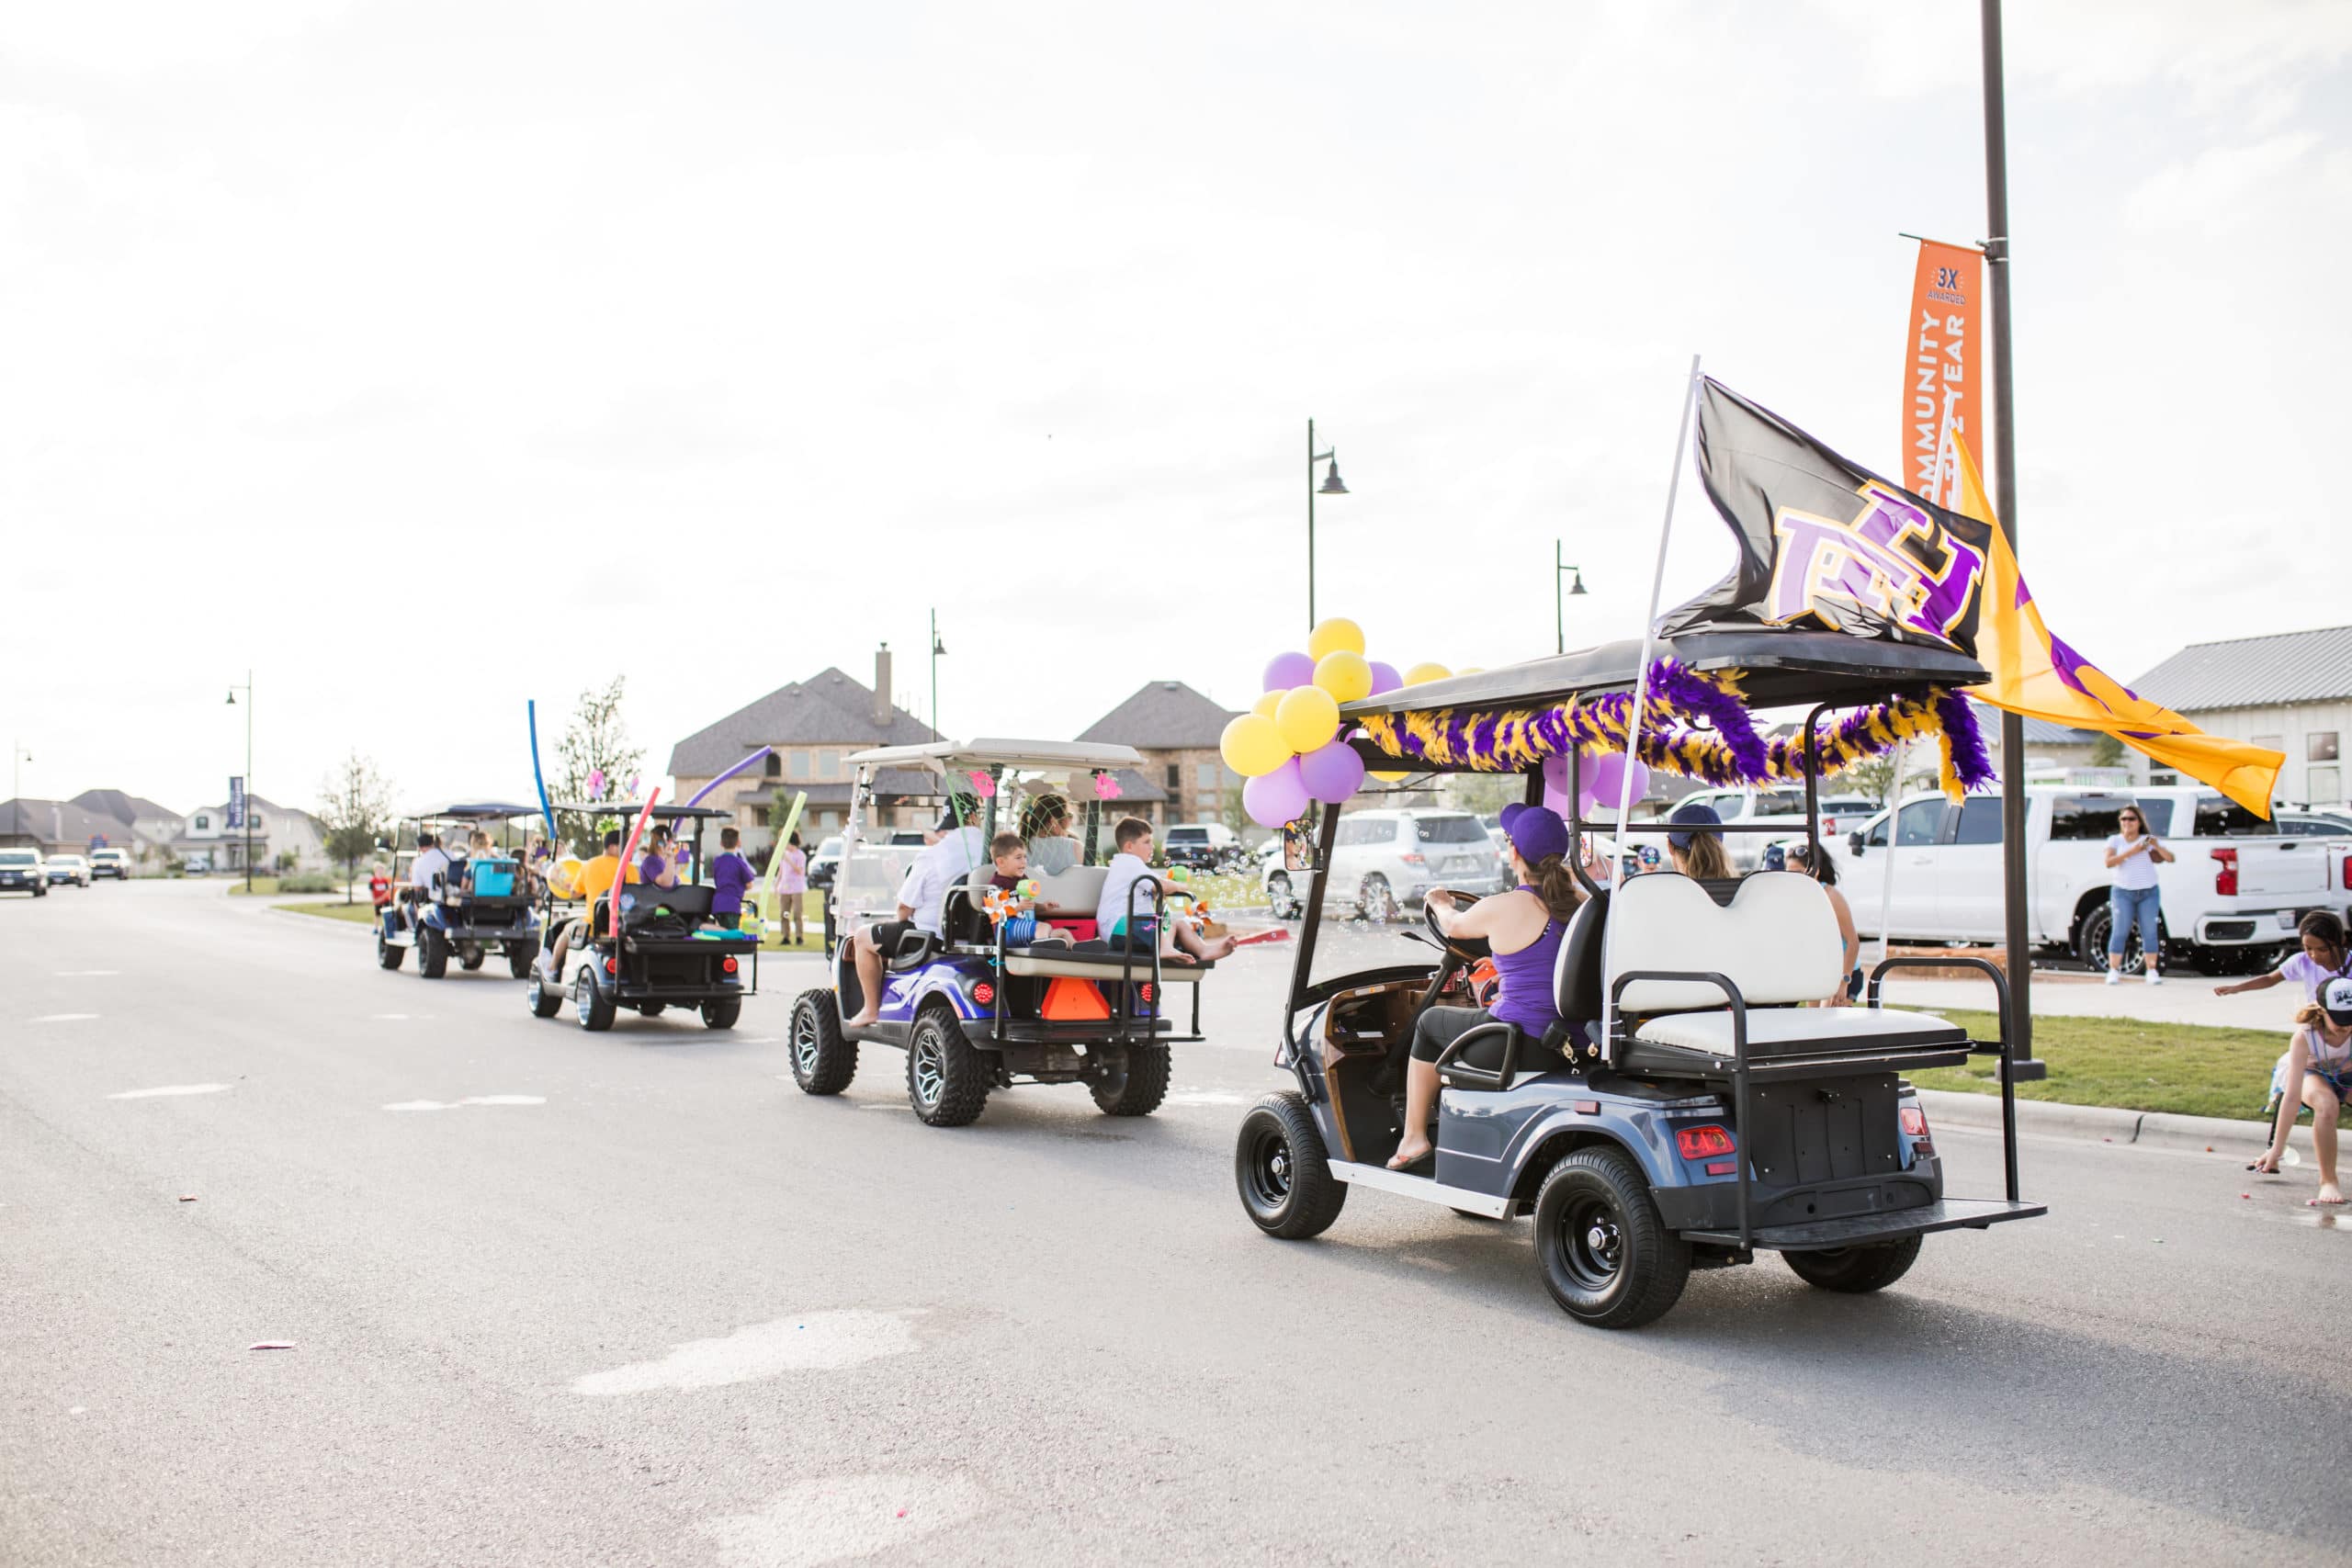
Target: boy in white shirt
{"type": "Point", "coordinates": [950, 858]}
{"type": "Point", "coordinates": [1133, 865]}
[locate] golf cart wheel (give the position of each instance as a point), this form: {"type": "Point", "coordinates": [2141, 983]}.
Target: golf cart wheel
{"type": "Point", "coordinates": [1283, 1174]}
{"type": "Point", "coordinates": [1376, 900]}
{"type": "Point", "coordinates": [470, 956]}
{"type": "Point", "coordinates": [546, 1000]}
{"type": "Point", "coordinates": [947, 1083]}
{"type": "Point", "coordinates": [1280, 899]}
{"type": "Point", "coordinates": [520, 958]}
{"type": "Point", "coordinates": [1137, 1087]}
{"type": "Point", "coordinates": [722, 1014]}
{"type": "Point", "coordinates": [1606, 1257]}
{"type": "Point", "coordinates": [2090, 942]}
{"type": "Point", "coordinates": [652, 1010]}
{"type": "Point", "coordinates": [387, 954]}
{"type": "Point", "coordinates": [588, 1000]}
{"type": "Point", "coordinates": [432, 953]}
{"type": "Point", "coordinates": [822, 1062]}
{"type": "Point", "coordinates": [1856, 1270]}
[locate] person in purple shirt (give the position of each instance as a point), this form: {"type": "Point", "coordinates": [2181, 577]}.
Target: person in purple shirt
{"type": "Point", "coordinates": [730, 873]}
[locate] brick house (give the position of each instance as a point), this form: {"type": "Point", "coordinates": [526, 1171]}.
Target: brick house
{"type": "Point", "coordinates": [1177, 729]}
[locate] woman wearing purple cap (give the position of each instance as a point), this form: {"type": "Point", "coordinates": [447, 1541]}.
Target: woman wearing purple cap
{"type": "Point", "coordinates": [1523, 930]}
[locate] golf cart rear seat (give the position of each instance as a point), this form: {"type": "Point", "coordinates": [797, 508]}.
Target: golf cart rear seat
{"type": "Point", "coordinates": [1777, 942]}
{"type": "Point", "coordinates": [1089, 959]}
{"type": "Point", "coordinates": [1077, 887]}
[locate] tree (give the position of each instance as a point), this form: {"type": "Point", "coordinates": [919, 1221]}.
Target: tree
{"type": "Point", "coordinates": [596, 742]}
{"type": "Point", "coordinates": [355, 809]}
{"type": "Point", "coordinates": [2107, 752]}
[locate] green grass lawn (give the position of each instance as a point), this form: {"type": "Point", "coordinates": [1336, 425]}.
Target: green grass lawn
{"type": "Point", "coordinates": [263, 887]}
{"type": "Point", "coordinates": [361, 913]}
{"type": "Point", "coordinates": [2193, 1069]}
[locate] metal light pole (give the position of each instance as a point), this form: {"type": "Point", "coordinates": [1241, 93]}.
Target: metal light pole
{"type": "Point", "coordinates": [1331, 486]}
{"type": "Point", "coordinates": [2004, 503]}
{"type": "Point", "coordinates": [248, 689]}
{"type": "Point", "coordinates": [937, 647]}
{"type": "Point", "coordinates": [17, 757]}
{"type": "Point", "coordinates": [1560, 601]}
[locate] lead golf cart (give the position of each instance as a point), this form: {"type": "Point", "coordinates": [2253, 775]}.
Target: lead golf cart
{"type": "Point", "coordinates": [479, 906]}
{"type": "Point", "coordinates": [1702, 1115]}
{"type": "Point", "coordinates": [665, 951]}
{"type": "Point", "coordinates": [973, 1012]}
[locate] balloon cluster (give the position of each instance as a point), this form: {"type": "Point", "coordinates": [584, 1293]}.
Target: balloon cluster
{"type": "Point", "coordinates": [1288, 746]}
{"type": "Point", "coordinates": [1600, 778]}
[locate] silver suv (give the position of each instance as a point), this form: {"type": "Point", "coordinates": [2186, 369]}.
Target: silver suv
{"type": "Point", "coordinates": [1384, 860]}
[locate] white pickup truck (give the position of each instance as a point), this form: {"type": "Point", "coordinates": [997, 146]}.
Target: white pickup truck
{"type": "Point", "coordinates": [2231, 897]}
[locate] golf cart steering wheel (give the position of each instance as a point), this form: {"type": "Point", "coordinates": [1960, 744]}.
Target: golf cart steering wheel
{"type": "Point", "coordinates": [1469, 948]}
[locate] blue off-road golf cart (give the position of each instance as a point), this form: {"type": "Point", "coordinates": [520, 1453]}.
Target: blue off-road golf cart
{"type": "Point", "coordinates": [479, 906]}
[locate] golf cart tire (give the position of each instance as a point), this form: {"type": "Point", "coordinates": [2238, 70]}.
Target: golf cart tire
{"type": "Point", "coordinates": [651, 1010]}
{"type": "Point", "coordinates": [722, 1014]}
{"type": "Point", "coordinates": [937, 1051]}
{"type": "Point", "coordinates": [520, 958]}
{"type": "Point", "coordinates": [588, 1000]}
{"type": "Point", "coordinates": [1136, 1090]}
{"type": "Point", "coordinates": [1284, 1171]}
{"type": "Point", "coordinates": [546, 1000]}
{"type": "Point", "coordinates": [1856, 1270]}
{"type": "Point", "coordinates": [822, 1062]}
{"type": "Point", "coordinates": [388, 956]}
{"type": "Point", "coordinates": [1638, 1273]}
{"type": "Point", "coordinates": [432, 953]}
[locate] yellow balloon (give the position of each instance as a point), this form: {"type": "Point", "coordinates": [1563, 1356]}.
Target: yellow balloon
{"type": "Point", "coordinates": [1337, 635]}
{"type": "Point", "coordinates": [1265, 706]}
{"type": "Point", "coordinates": [1251, 745]}
{"type": "Point", "coordinates": [1343, 675]}
{"type": "Point", "coordinates": [1420, 674]}
{"type": "Point", "coordinates": [1388, 778]}
{"type": "Point", "coordinates": [1307, 718]}
{"type": "Point", "coordinates": [1472, 669]}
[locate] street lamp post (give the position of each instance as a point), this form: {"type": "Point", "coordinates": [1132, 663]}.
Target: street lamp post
{"type": "Point", "coordinates": [17, 757]}
{"type": "Point", "coordinates": [248, 689]}
{"type": "Point", "coordinates": [1331, 486]}
{"type": "Point", "coordinates": [937, 647]}
{"type": "Point", "coordinates": [1560, 601]}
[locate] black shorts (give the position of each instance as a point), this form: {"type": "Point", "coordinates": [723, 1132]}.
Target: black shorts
{"type": "Point", "coordinates": [1440, 1027]}
{"type": "Point", "coordinates": [885, 935]}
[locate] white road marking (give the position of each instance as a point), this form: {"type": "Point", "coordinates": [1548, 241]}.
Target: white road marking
{"type": "Point", "coordinates": [172, 1089]}
{"type": "Point", "coordinates": [885, 1105]}
{"type": "Point", "coordinates": [817, 1341]}
{"type": "Point", "coordinates": [831, 1517]}
{"type": "Point", "coordinates": [469, 1100]}
{"type": "Point", "coordinates": [390, 1017]}
{"type": "Point", "coordinates": [64, 1017]}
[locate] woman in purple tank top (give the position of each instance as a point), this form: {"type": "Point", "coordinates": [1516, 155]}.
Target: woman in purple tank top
{"type": "Point", "coordinates": [1522, 929]}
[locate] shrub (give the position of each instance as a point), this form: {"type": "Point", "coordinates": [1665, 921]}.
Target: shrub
{"type": "Point", "coordinates": [309, 882]}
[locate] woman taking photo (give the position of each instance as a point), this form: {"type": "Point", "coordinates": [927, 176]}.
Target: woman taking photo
{"type": "Point", "coordinates": [2134, 854]}
{"type": "Point", "coordinates": [1523, 930]}
{"type": "Point", "coordinates": [1044, 822]}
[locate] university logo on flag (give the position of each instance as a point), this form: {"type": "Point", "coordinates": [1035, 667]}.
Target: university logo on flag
{"type": "Point", "coordinates": [236, 801]}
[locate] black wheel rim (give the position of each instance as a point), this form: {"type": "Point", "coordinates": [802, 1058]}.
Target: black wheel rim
{"type": "Point", "coordinates": [1269, 1170]}
{"type": "Point", "coordinates": [805, 1042]}
{"type": "Point", "coordinates": [1591, 1241]}
{"type": "Point", "coordinates": [927, 1067]}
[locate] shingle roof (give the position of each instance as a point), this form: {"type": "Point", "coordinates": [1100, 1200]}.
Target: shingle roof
{"type": "Point", "coordinates": [829, 708]}
{"type": "Point", "coordinates": [121, 806]}
{"type": "Point", "coordinates": [1163, 715]}
{"type": "Point", "coordinates": [2255, 671]}
{"type": "Point", "coordinates": [60, 822]}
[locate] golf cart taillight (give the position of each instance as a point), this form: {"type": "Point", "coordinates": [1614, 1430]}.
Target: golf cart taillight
{"type": "Point", "coordinates": [1915, 1121]}
{"type": "Point", "coordinates": [1722, 1167]}
{"type": "Point", "coordinates": [984, 993]}
{"type": "Point", "coordinates": [2225, 872]}
{"type": "Point", "coordinates": [1144, 990]}
{"type": "Point", "coordinates": [728, 965]}
{"type": "Point", "coordinates": [611, 966]}
{"type": "Point", "coordinates": [1703, 1143]}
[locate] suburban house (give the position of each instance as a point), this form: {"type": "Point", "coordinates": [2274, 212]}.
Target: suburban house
{"type": "Point", "coordinates": [1177, 729]}
{"type": "Point", "coordinates": [277, 831]}
{"type": "Point", "coordinates": [155, 826]}
{"type": "Point", "coordinates": [61, 827]}
{"type": "Point", "coordinates": [814, 724]}
{"type": "Point", "coordinates": [2289, 691]}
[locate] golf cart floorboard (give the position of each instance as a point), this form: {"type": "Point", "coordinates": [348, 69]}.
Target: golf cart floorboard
{"type": "Point", "coordinates": [1863, 1229]}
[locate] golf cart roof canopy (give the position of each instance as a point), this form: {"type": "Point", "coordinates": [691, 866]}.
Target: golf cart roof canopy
{"type": "Point", "coordinates": [631, 808]}
{"type": "Point", "coordinates": [471, 811]}
{"type": "Point", "coordinates": [1783, 668]}
{"type": "Point", "coordinates": [1023, 756]}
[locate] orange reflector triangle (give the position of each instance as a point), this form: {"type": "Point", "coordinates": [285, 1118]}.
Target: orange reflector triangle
{"type": "Point", "coordinates": [1072, 999]}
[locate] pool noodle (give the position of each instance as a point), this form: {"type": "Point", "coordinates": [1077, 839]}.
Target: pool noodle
{"type": "Point", "coordinates": [783, 837]}
{"type": "Point", "coordinates": [628, 855]}
{"type": "Point", "coordinates": [730, 774]}
{"type": "Point", "coordinates": [531, 708]}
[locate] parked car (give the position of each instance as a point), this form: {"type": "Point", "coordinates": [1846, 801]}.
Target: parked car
{"type": "Point", "coordinates": [1382, 862]}
{"type": "Point", "coordinates": [60, 870]}
{"type": "Point", "coordinates": [2231, 897]}
{"type": "Point", "coordinates": [20, 872]}
{"type": "Point", "coordinates": [1839, 812]}
{"type": "Point", "coordinates": [110, 862]}
{"type": "Point", "coordinates": [198, 865]}
{"type": "Point", "coordinates": [1203, 846]}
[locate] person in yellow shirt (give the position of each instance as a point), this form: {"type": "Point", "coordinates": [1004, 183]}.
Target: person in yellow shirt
{"type": "Point", "coordinates": [596, 880]}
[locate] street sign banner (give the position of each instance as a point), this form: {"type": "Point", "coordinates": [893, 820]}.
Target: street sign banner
{"type": "Point", "coordinates": [236, 801]}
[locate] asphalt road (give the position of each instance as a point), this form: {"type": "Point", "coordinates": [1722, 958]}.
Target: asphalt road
{"type": "Point", "coordinates": [643, 1302]}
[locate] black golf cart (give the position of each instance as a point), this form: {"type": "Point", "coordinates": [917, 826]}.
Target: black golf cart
{"type": "Point", "coordinates": [665, 951]}
{"type": "Point", "coordinates": [1713, 1116]}
{"type": "Point", "coordinates": [480, 905]}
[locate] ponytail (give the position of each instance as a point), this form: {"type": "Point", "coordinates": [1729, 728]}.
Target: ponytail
{"type": "Point", "coordinates": [1557, 886]}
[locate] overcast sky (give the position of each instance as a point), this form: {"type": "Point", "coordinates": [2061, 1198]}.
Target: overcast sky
{"type": "Point", "coordinates": [429, 357]}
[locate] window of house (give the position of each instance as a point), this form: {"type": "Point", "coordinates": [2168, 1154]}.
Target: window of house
{"type": "Point", "coordinates": [1207, 774]}
{"type": "Point", "coordinates": [2319, 746]}
{"type": "Point", "coordinates": [774, 770]}
{"type": "Point", "coordinates": [1175, 774]}
{"type": "Point", "coordinates": [2325, 784]}
{"type": "Point", "coordinates": [2269, 742]}
{"type": "Point", "coordinates": [800, 765]}
{"type": "Point", "coordinates": [261, 824]}
{"type": "Point", "coordinates": [828, 766]}
{"type": "Point", "coordinates": [204, 823]}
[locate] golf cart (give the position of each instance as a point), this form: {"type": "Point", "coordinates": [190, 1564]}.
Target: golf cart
{"type": "Point", "coordinates": [667, 951]}
{"type": "Point", "coordinates": [972, 1012]}
{"type": "Point", "coordinates": [1699, 1114]}
{"type": "Point", "coordinates": [477, 906]}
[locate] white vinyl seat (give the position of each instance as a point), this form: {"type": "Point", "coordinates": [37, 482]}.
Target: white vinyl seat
{"type": "Point", "coordinates": [1779, 1031]}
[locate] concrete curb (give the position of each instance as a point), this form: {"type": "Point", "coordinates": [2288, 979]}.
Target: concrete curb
{"type": "Point", "coordinates": [2100, 1124]}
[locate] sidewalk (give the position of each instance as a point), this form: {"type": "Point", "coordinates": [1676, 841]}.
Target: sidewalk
{"type": "Point", "coordinates": [2185, 998]}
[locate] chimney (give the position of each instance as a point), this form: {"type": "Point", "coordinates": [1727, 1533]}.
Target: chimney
{"type": "Point", "coordinates": [882, 687]}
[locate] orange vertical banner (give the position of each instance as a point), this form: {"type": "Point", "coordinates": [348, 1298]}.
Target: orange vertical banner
{"type": "Point", "coordinates": [1940, 383]}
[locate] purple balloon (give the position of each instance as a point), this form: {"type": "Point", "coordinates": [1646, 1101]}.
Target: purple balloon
{"type": "Point", "coordinates": [1384, 678]}
{"type": "Point", "coordinates": [1272, 799]}
{"type": "Point", "coordinates": [1641, 772]}
{"type": "Point", "coordinates": [1554, 800]}
{"type": "Point", "coordinates": [1608, 772]}
{"type": "Point", "coordinates": [1285, 671]}
{"type": "Point", "coordinates": [1556, 775]}
{"type": "Point", "coordinates": [1331, 773]}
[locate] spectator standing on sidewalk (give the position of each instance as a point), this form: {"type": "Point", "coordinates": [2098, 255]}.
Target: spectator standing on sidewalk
{"type": "Point", "coordinates": [2133, 854]}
